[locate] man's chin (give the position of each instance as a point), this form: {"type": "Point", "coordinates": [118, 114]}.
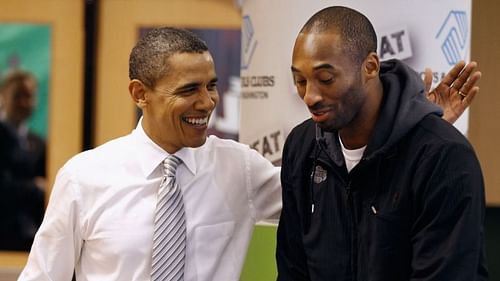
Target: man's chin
{"type": "Point", "coordinates": [198, 142]}
{"type": "Point", "coordinates": [326, 127]}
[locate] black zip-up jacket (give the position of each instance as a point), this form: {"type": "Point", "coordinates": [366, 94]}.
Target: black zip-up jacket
{"type": "Point", "coordinates": [412, 209]}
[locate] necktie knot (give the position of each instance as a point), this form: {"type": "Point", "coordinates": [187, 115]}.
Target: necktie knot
{"type": "Point", "coordinates": [170, 165]}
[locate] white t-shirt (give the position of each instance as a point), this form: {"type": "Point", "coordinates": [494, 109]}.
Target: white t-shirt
{"type": "Point", "coordinates": [352, 156]}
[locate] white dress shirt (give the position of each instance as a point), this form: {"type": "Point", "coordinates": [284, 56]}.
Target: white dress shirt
{"type": "Point", "coordinates": [99, 220]}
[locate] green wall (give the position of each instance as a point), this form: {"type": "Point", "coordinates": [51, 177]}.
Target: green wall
{"type": "Point", "coordinates": [260, 264]}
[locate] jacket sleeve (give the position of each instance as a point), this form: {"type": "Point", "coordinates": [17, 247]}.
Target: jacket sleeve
{"type": "Point", "coordinates": [57, 244]}
{"type": "Point", "coordinates": [290, 255]}
{"type": "Point", "coordinates": [447, 234]}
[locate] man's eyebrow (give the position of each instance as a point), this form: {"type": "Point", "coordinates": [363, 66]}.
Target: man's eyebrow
{"type": "Point", "coordinates": [321, 66]}
{"type": "Point", "coordinates": [192, 85]}
{"type": "Point", "coordinates": [324, 66]}
{"type": "Point", "coordinates": [187, 86]}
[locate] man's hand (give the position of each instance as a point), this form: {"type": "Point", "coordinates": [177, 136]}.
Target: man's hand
{"type": "Point", "coordinates": [456, 91]}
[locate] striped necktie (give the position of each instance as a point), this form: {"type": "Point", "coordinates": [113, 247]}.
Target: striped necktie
{"type": "Point", "coordinates": [169, 238]}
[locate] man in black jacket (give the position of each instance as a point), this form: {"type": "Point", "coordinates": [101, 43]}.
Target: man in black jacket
{"type": "Point", "coordinates": [22, 163]}
{"type": "Point", "coordinates": [376, 186]}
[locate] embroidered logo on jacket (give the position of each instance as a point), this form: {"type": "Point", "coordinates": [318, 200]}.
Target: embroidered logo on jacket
{"type": "Point", "coordinates": [319, 174]}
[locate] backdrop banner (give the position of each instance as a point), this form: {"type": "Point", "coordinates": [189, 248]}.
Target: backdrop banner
{"type": "Point", "coordinates": [425, 33]}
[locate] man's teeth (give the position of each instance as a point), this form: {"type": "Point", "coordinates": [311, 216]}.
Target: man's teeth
{"type": "Point", "coordinates": [197, 121]}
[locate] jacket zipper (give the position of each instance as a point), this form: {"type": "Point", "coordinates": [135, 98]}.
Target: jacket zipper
{"type": "Point", "coordinates": [352, 232]}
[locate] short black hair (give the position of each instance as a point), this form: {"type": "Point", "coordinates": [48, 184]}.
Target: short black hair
{"type": "Point", "coordinates": [354, 28]}
{"type": "Point", "coordinates": [147, 61]}
{"type": "Point", "coordinates": [15, 77]}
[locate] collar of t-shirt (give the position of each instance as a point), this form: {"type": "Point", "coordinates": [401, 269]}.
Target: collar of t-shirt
{"type": "Point", "coordinates": [351, 156]}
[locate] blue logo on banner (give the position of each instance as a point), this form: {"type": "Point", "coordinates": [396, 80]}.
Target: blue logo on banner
{"type": "Point", "coordinates": [453, 34]}
{"type": "Point", "coordinates": [248, 42]}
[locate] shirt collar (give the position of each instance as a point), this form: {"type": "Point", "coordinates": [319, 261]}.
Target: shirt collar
{"type": "Point", "coordinates": [151, 154]}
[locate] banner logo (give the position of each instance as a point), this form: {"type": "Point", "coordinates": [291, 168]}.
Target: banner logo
{"type": "Point", "coordinates": [453, 34]}
{"type": "Point", "coordinates": [248, 42]}
{"type": "Point", "coordinates": [394, 43]}
{"type": "Point", "coordinates": [269, 144]}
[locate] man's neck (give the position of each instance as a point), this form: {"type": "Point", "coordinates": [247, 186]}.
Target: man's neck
{"type": "Point", "coordinates": [357, 134]}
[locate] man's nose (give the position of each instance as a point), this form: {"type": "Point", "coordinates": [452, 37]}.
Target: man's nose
{"type": "Point", "coordinates": [206, 100]}
{"type": "Point", "coordinates": [312, 95]}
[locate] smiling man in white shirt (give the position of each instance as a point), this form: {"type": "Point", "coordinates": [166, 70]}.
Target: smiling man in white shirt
{"type": "Point", "coordinates": [99, 220]}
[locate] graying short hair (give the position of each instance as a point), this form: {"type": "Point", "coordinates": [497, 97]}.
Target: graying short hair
{"type": "Point", "coordinates": [147, 61]}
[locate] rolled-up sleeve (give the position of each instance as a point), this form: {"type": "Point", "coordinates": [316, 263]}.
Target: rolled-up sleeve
{"type": "Point", "coordinates": [263, 182]}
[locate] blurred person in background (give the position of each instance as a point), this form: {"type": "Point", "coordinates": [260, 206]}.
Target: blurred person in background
{"type": "Point", "coordinates": [22, 163]}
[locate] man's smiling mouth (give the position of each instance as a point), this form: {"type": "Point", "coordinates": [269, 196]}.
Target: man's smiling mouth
{"type": "Point", "coordinates": [196, 121]}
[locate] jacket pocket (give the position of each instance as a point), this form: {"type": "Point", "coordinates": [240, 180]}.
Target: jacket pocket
{"type": "Point", "coordinates": [390, 232]}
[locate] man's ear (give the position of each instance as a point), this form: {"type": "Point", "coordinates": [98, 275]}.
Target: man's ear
{"type": "Point", "coordinates": [137, 91]}
{"type": "Point", "coordinates": [371, 66]}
